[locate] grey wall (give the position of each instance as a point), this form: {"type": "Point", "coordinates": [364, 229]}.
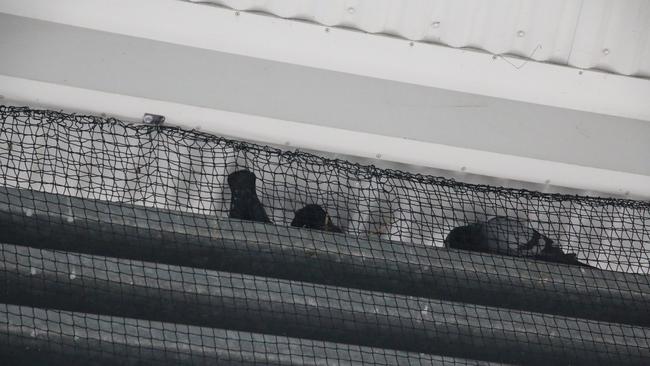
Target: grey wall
{"type": "Point", "coordinates": [120, 64]}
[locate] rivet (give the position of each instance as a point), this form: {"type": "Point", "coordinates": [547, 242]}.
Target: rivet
{"type": "Point", "coordinates": [435, 24]}
{"type": "Point", "coordinates": [580, 72]}
{"type": "Point", "coordinates": [351, 10]}
{"type": "Point", "coordinates": [494, 57]}
{"type": "Point", "coordinates": [237, 13]}
{"type": "Point", "coordinates": [411, 44]}
{"type": "Point", "coordinates": [327, 30]}
{"type": "Point", "coordinates": [148, 119]}
{"type": "Point", "coordinates": [606, 51]}
{"type": "Point", "coordinates": [521, 33]}
{"type": "Point", "coordinates": [378, 156]}
{"type": "Point", "coordinates": [547, 181]}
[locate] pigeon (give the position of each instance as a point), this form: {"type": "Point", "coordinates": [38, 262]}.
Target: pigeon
{"type": "Point", "coordinates": [314, 217]}
{"type": "Point", "coordinates": [244, 203]}
{"type": "Point", "coordinates": [503, 235]}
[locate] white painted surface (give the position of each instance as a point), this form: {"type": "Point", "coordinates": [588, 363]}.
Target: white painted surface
{"type": "Point", "coordinates": [276, 131]}
{"type": "Point", "coordinates": [347, 51]}
{"type": "Point", "coordinates": [567, 32]}
{"type": "Point", "coordinates": [138, 67]}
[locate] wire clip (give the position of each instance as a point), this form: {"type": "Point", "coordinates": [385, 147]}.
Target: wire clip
{"type": "Point", "coordinates": [153, 119]}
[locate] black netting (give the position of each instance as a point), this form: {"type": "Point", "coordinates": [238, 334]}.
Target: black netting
{"type": "Point", "coordinates": [139, 244]}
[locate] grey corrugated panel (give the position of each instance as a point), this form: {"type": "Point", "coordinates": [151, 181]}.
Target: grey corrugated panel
{"type": "Point", "coordinates": [52, 337]}
{"type": "Point", "coordinates": [184, 295]}
{"type": "Point", "coordinates": [606, 35]}
{"type": "Point", "coordinates": [121, 230]}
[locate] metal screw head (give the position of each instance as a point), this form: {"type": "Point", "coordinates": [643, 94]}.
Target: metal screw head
{"type": "Point", "coordinates": [521, 33]}
{"type": "Point", "coordinates": [435, 24]}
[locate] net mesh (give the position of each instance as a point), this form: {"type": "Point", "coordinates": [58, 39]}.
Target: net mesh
{"type": "Point", "coordinates": [142, 244]}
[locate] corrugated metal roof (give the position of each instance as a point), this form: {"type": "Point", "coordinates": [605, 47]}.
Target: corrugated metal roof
{"type": "Point", "coordinates": [597, 34]}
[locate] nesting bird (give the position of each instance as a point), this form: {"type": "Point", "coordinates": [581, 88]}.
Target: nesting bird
{"type": "Point", "coordinates": [244, 203]}
{"type": "Point", "coordinates": [503, 235]}
{"type": "Point", "coordinates": [314, 217]}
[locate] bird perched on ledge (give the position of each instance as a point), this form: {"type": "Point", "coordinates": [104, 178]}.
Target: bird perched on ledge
{"type": "Point", "coordinates": [244, 203]}
{"type": "Point", "coordinates": [506, 236]}
{"type": "Point", "coordinates": [314, 217]}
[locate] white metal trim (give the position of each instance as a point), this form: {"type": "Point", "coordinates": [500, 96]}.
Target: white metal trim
{"type": "Point", "coordinates": [348, 51]}
{"type": "Point", "coordinates": [307, 136]}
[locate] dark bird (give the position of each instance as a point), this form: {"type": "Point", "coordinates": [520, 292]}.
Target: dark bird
{"type": "Point", "coordinates": [503, 235]}
{"type": "Point", "coordinates": [244, 203]}
{"type": "Point", "coordinates": [314, 217]}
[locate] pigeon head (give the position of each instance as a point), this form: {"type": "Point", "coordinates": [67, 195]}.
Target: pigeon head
{"type": "Point", "coordinates": [549, 246]}
{"type": "Point", "coordinates": [548, 243]}
{"type": "Point", "coordinates": [241, 179]}
{"type": "Point", "coordinates": [312, 217]}
{"type": "Point", "coordinates": [468, 237]}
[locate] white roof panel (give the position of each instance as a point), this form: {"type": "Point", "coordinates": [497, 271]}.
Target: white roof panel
{"type": "Point", "coordinates": [597, 34]}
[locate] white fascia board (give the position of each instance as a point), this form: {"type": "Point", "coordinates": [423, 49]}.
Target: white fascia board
{"type": "Point", "coordinates": [354, 52]}
{"type": "Point", "coordinates": [313, 137]}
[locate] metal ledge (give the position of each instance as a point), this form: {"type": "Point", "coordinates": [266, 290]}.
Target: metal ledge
{"type": "Point", "coordinates": [128, 231]}
{"type": "Point", "coordinates": [338, 140]}
{"type": "Point", "coordinates": [39, 336]}
{"type": "Point", "coordinates": [94, 284]}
